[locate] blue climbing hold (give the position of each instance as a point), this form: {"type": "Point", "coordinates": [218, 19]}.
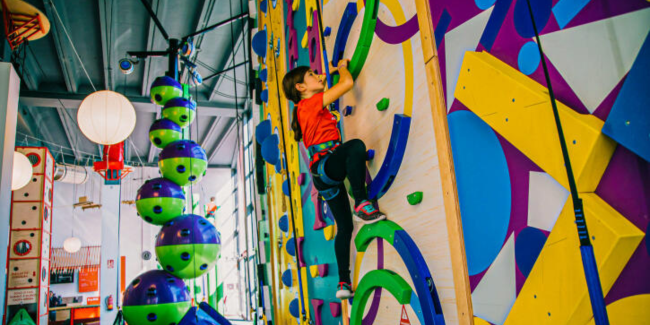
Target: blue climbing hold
{"type": "Point", "coordinates": [291, 247]}
{"type": "Point", "coordinates": [285, 188]}
{"type": "Point", "coordinates": [370, 155]}
{"type": "Point", "coordinates": [264, 95]}
{"type": "Point", "coordinates": [270, 150]}
{"type": "Point", "coordinates": [293, 308]}
{"type": "Point", "coordinates": [264, 4]}
{"type": "Point", "coordinates": [262, 131]}
{"type": "Point", "coordinates": [348, 110]}
{"type": "Point", "coordinates": [264, 74]}
{"type": "Point", "coordinates": [283, 223]}
{"type": "Point", "coordinates": [327, 32]}
{"type": "Point", "coordinates": [393, 159]}
{"type": "Point", "coordinates": [287, 278]}
{"type": "Point", "coordinates": [528, 246]}
{"type": "Point", "coordinates": [345, 26]}
{"type": "Point", "coordinates": [258, 43]}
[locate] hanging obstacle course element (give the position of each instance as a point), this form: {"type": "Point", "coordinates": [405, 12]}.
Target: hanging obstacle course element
{"type": "Point", "coordinates": [184, 162]}
{"type": "Point", "coordinates": [156, 297]}
{"type": "Point", "coordinates": [163, 132]}
{"type": "Point", "coordinates": [159, 200]}
{"type": "Point", "coordinates": [23, 22]}
{"type": "Point", "coordinates": [187, 246]}
{"type": "Point", "coordinates": [112, 167]}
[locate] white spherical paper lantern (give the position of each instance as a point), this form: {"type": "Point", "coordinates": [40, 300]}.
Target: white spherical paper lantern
{"type": "Point", "coordinates": [106, 117]}
{"type": "Point", "coordinates": [22, 171]}
{"type": "Point", "coordinates": [72, 245]}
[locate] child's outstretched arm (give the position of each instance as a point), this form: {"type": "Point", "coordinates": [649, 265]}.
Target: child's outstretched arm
{"type": "Point", "coordinates": [345, 84]}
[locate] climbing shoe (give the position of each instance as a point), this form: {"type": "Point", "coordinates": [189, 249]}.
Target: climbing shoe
{"type": "Point", "coordinates": [366, 213]}
{"type": "Point", "coordinates": [345, 291]}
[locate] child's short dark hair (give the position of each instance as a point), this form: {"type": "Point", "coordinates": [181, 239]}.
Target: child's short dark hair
{"type": "Point", "coordinates": [293, 77]}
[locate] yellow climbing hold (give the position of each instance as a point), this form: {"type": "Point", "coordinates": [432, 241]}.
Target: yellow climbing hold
{"type": "Point", "coordinates": [313, 270]}
{"type": "Point", "coordinates": [329, 232]}
{"type": "Point", "coordinates": [305, 41]}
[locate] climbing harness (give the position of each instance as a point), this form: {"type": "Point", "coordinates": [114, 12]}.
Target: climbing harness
{"type": "Point", "coordinates": [323, 151]}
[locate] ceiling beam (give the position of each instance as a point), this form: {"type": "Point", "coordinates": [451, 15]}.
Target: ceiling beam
{"type": "Point", "coordinates": [141, 104]}
{"type": "Point", "coordinates": [62, 48]}
{"type": "Point", "coordinates": [220, 141]}
{"type": "Point", "coordinates": [106, 27]}
{"type": "Point", "coordinates": [67, 128]}
{"type": "Point", "coordinates": [213, 127]}
{"type": "Point", "coordinates": [157, 6]}
{"type": "Point", "coordinates": [229, 61]}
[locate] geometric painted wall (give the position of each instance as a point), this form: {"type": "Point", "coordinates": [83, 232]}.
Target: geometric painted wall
{"type": "Point", "coordinates": [521, 242]}
{"type": "Point", "coordinates": [522, 261]}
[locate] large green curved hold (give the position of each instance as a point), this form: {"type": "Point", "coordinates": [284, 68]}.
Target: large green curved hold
{"type": "Point", "coordinates": [383, 229]}
{"type": "Point", "coordinates": [385, 279]}
{"type": "Point", "coordinates": [365, 40]}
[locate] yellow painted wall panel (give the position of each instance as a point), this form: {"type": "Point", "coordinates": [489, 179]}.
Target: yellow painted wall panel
{"type": "Point", "coordinates": [556, 291]}
{"type": "Point", "coordinates": [519, 109]}
{"type": "Point", "coordinates": [632, 310]}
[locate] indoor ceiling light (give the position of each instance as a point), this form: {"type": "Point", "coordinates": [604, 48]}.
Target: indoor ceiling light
{"type": "Point", "coordinates": [22, 171]}
{"type": "Point", "coordinates": [106, 117]}
{"type": "Point", "coordinates": [72, 244]}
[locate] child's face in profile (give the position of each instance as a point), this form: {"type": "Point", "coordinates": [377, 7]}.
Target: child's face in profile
{"type": "Point", "coordinates": [314, 83]}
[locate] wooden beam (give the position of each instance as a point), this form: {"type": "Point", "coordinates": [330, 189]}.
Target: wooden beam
{"type": "Point", "coordinates": [446, 163]}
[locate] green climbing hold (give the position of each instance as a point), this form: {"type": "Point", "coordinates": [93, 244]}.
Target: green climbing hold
{"type": "Point", "coordinates": [383, 104]}
{"type": "Point", "coordinates": [414, 198]}
{"type": "Point", "coordinates": [386, 279]}
{"type": "Point", "coordinates": [383, 229]}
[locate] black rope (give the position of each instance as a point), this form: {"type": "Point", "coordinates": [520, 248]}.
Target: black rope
{"type": "Point", "coordinates": [583, 234]}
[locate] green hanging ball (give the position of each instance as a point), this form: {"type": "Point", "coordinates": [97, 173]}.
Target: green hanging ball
{"type": "Point", "coordinates": [184, 162]}
{"type": "Point", "coordinates": [163, 132]}
{"type": "Point", "coordinates": [180, 110]}
{"type": "Point", "coordinates": [165, 88]}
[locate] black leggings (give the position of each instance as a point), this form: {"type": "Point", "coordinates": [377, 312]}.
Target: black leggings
{"type": "Point", "coordinates": [348, 159]}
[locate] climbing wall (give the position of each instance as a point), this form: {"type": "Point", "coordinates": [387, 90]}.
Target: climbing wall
{"type": "Point", "coordinates": [403, 269]}
{"type": "Point", "coordinates": [521, 241]}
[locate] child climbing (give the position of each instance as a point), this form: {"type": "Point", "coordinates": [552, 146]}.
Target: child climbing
{"type": "Point", "coordinates": [330, 160]}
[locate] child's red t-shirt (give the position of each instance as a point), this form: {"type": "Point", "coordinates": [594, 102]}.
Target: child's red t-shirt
{"type": "Point", "coordinates": [317, 123]}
